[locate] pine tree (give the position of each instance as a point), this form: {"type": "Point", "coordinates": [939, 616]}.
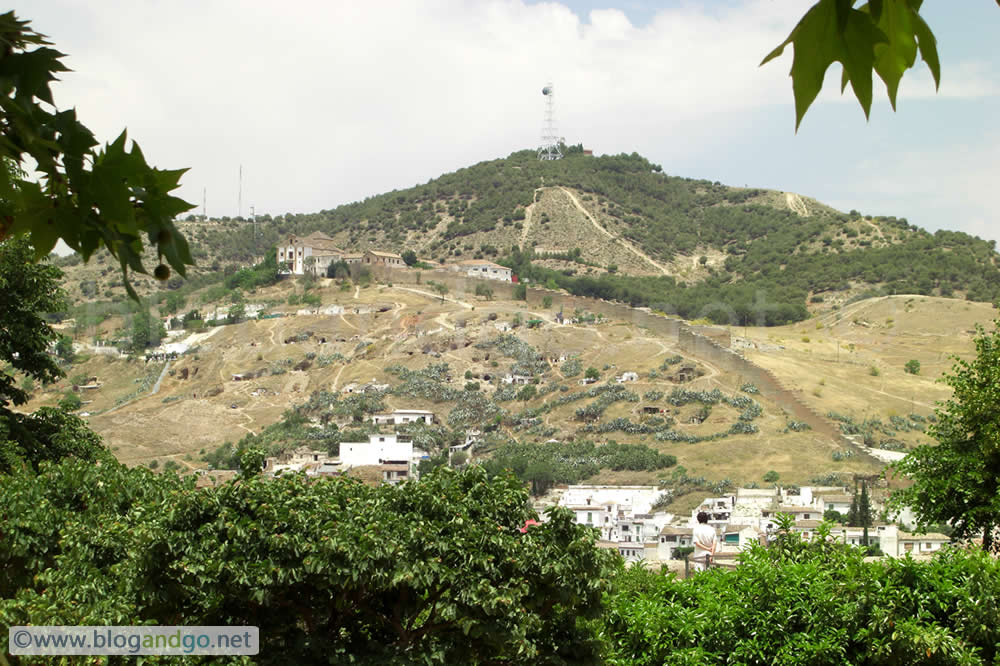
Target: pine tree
{"type": "Point", "coordinates": [864, 512]}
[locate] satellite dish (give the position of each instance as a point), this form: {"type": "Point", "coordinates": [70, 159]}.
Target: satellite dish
{"type": "Point", "coordinates": [547, 90]}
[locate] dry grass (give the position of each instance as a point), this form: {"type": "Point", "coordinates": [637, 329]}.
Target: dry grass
{"type": "Point", "coordinates": [180, 422]}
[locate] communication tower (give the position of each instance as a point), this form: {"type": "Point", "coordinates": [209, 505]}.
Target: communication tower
{"type": "Point", "coordinates": [549, 150]}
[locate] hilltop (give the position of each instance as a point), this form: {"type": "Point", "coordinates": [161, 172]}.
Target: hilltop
{"type": "Point", "coordinates": [619, 227]}
{"type": "Point", "coordinates": [804, 289]}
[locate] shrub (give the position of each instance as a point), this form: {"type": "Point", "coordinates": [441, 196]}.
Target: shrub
{"type": "Point", "coordinates": [912, 367]}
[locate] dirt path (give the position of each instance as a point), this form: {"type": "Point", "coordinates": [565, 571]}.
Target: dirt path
{"type": "Point", "coordinates": [528, 216]}
{"type": "Point", "coordinates": [344, 319]}
{"type": "Point", "coordinates": [624, 243]}
{"type": "Point", "coordinates": [796, 204]}
{"type": "Point", "coordinates": [436, 297]}
{"type": "Point", "coordinates": [357, 291]}
{"type": "Point", "coordinates": [878, 231]}
{"type": "Point", "coordinates": [336, 378]}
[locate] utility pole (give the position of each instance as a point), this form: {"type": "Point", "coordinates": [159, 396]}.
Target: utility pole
{"type": "Point", "coordinates": [239, 198]}
{"type": "Point", "coordinates": [204, 203]}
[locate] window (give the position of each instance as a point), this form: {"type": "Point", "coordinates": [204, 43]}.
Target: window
{"type": "Point", "coordinates": [806, 517]}
{"type": "Point", "coordinates": [590, 517]}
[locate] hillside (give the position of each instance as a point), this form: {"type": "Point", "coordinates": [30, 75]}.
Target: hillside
{"type": "Point", "coordinates": [402, 335]}
{"type": "Point", "coordinates": [618, 227]}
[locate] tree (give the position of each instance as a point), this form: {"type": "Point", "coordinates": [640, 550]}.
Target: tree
{"type": "Point", "coordinates": [331, 570]}
{"type": "Point", "coordinates": [147, 330]}
{"type": "Point", "coordinates": [912, 367]}
{"type": "Point", "coordinates": [70, 402]}
{"type": "Point", "coordinates": [864, 512]}
{"type": "Point", "coordinates": [64, 348]}
{"type": "Point", "coordinates": [592, 373]}
{"type": "Point", "coordinates": [485, 291]}
{"type": "Point", "coordinates": [174, 302]}
{"type": "Point", "coordinates": [440, 288]}
{"type": "Point", "coordinates": [958, 481]}
{"type": "Point", "coordinates": [90, 198]}
{"type": "Point", "coordinates": [459, 458]}
{"type": "Point", "coordinates": [881, 36]}
{"type": "Point", "coordinates": [27, 290]}
{"type": "Point", "coordinates": [237, 313]}
{"type": "Point", "coordinates": [770, 477]}
{"type": "Point", "coordinates": [409, 257]}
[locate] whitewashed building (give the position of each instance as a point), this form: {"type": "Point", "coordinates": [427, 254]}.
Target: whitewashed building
{"type": "Point", "coordinates": [295, 254]}
{"type": "Point", "coordinates": [480, 268]}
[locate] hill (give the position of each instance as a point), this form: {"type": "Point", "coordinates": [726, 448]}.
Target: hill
{"type": "Point", "coordinates": [617, 227]}
{"type": "Point", "coordinates": [452, 356]}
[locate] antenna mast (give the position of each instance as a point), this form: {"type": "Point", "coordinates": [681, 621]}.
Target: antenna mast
{"type": "Point", "coordinates": [239, 200]}
{"type": "Point", "coordinates": [549, 150]}
{"type": "Point", "coordinates": [204, 203]}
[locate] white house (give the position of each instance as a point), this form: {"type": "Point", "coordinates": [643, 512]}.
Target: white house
{"type": "Point", "coordinates": [670, 539]}
{"type": "Point", "coordinates": [295, 253]}
{"type": "Point", "coordinates": [401, 416]}
{"type": "Point", "coordinates": [918, 544]}
{"type": "Point", "coordinates": [480, 268]}
{"type": "Point", "coordinates": [379, 449]}
{"type": "Point", "coordinates": [628, 377]}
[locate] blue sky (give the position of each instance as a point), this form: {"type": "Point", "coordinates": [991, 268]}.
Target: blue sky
{"type": "Point", "coordinates": [326, 103]}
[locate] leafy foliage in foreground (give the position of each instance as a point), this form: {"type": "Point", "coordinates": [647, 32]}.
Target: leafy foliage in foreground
{"type": "Point", "coordinates": [958, 479]}
{"type": "Point", "coordinates": [89, 198]}
{"type": "Point", "coordinates": [331, 570]}
{"type": "Point", "coordinates": [810, 603]}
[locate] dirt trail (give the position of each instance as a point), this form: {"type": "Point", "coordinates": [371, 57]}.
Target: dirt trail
{"type": "Point", "coordinates": [878, 230]}
{"type": "Point", "coordinates": [796, 204]}
{"type": "Point", "coordinates": [624, 243]}
{"type": "Point", "coordinates": [436, 297]}
{"type": "Point", "coordinates": [528, 215]}
{"type": "Point", "coordinates": [357, 291]}
{"type": "Point", "coordinates": [336, 378]}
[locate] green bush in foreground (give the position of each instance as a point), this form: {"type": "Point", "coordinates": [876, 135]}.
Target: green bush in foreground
{"type": "Point", "coordinates": [810, 603]}
{"type": "Point", "coordinates": [332, 571]}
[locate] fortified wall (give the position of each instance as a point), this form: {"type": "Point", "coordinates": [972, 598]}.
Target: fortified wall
{"type": "Point", "coordinates": [711, 343]}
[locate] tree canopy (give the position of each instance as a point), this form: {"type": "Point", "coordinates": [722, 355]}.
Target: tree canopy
{"type": "Point", "coordinates": [87, 196]}
{"type": "Point", "coordinates": [27, 291]}
{"type": "Point", "coordinates": [958, 480]}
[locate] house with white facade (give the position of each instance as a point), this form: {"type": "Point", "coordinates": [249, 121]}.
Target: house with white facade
{"type": "Point", "coordinates": [671, 538]}
{"type": "Point", "coordinates": [295, 253]}
{"type": "Point", "coordinates": [919, 544]}
{"type": "Point", "coordinates": [377, 450]}
{"type": "Point", "coordinates": [400, 416]}
{"type": "Point", "coordinates": [623, 514]}
{"type": "Point", "coordinates": [480, 268]}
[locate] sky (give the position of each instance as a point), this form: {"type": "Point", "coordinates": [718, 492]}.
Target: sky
{"type": "Point", "coordinates": [326, 102]}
